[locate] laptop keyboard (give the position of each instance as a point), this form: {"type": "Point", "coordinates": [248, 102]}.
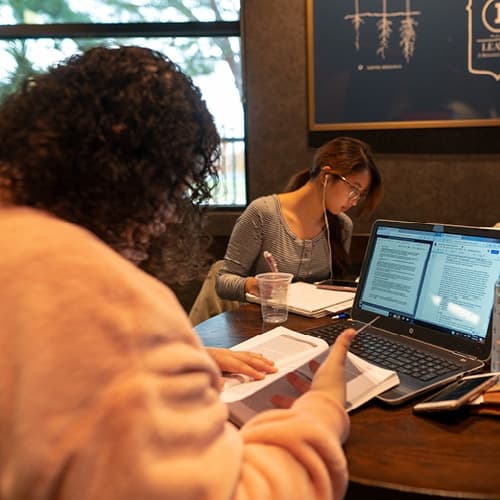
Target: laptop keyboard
{"type": "Point", "coordinates": [389, 354]}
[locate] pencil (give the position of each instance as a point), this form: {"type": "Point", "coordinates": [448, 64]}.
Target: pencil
{"type": "Point", "coordinates": [366, 325]}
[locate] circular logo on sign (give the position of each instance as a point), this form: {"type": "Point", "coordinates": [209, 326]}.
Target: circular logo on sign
{"type": "Point", "coordinates": [491, 16]}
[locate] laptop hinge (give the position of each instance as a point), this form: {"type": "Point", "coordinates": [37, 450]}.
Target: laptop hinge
{"type": "Point", "coordinates": [472, 358]}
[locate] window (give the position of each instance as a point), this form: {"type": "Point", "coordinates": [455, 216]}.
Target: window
{"type": "Point", "coordinates": [201, 36]}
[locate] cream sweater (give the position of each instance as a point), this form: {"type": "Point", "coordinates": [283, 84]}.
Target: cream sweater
{"type": "Point", "coordinates": [106, 392]}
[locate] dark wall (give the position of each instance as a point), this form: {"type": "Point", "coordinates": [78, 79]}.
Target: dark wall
{"type": "Point", "coordinates": [450, 188]}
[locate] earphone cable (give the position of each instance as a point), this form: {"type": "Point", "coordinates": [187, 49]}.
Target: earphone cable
{"type": "Point", "coordinates": [327, 226]}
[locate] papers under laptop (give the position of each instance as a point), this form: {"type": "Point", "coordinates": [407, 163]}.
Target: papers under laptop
{"type": "Point", "coordinates": [432, 286]}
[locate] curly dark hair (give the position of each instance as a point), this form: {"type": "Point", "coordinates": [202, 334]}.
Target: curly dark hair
{"type": "Point", "coordinates": [119, 141]}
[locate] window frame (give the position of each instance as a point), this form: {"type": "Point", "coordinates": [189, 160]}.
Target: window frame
{"type": "Point", "coordinates": [122, 30]}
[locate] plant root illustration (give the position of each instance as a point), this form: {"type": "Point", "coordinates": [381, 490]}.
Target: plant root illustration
{"type": "Point", "coordinates": [384, 22]}
{"type": "Point", "coordinates": [384, 31]}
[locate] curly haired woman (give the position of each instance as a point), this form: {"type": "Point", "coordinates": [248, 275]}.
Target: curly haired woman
{"type": "Point", "coordinates": [106, 392]}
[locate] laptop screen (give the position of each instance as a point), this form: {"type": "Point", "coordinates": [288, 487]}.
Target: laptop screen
{"type": "Point", "coordinates": [436, 277]}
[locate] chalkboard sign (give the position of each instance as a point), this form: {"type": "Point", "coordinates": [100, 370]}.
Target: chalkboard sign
{"type": "Point", "coordinates": [403, 64]}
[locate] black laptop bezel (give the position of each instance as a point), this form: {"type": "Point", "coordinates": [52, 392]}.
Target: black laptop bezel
{"type": "Point", "coordinates": [416, 331]}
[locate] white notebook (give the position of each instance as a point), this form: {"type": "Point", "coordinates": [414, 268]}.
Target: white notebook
{"type": "Point", "coordinates": [308, 300]}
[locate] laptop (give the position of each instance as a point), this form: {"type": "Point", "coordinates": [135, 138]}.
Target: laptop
{"type": "Point", "coordinates": [431, 286]}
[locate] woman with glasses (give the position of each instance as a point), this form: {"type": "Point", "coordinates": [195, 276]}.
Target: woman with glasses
{"type": "Point", "coordinates": [305, 228]}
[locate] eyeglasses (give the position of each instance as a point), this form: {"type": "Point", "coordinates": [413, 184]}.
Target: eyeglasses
{"type": "Point", "coordinates": [355, 193]}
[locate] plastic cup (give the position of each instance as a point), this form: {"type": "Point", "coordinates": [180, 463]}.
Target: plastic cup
{"type": "Point", "coordinates": [273, 289]}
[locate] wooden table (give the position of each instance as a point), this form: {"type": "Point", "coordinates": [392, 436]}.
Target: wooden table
{"type": "Point", "coordinates": [391, 452]}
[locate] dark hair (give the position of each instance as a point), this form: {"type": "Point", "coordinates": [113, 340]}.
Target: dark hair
{"type": "Point", "coordinates": [117, 140]}
{"type": "Point", "coordinates": [343, 155]}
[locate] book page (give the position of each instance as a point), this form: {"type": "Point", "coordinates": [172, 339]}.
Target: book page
{"type": "Point", "coordinates": [364, 381]}
{"type": "Point", "coordinates": [287, 348]}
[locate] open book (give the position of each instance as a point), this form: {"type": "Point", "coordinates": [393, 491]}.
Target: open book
{"type": "Point", "coordinates": [291, 351]}
{"type": "Point", "coordinates": [308, 300]}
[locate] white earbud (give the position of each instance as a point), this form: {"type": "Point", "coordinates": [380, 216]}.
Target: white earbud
{"type": "Point", "coordinates": [325, 180]}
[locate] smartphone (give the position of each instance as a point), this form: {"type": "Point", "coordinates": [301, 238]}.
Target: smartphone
{"type": "Point", "coordinates": [340, 285]}
{"type": "Point", "coordinates": [457, 394]}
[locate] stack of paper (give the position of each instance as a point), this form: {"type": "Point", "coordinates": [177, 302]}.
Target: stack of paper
{"type": "Point", "coordinates": [308, 300]}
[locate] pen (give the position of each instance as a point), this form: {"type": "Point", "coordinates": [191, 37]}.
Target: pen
{"type": "Point", "coordinates": [270, 261]}
{"type": "Point", "coordinates": [365, 326]}
{"type": "Point", "coordinates": [340, 316]}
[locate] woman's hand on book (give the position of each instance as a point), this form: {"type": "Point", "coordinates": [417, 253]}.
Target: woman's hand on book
{"type": "Point", "coordinates": [248, 363]}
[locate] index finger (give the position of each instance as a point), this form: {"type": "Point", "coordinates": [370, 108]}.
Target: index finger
{"type": "Point", "coordinates": [331, 374]}
{"type": "Point", "coordinates": [342, 344]}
